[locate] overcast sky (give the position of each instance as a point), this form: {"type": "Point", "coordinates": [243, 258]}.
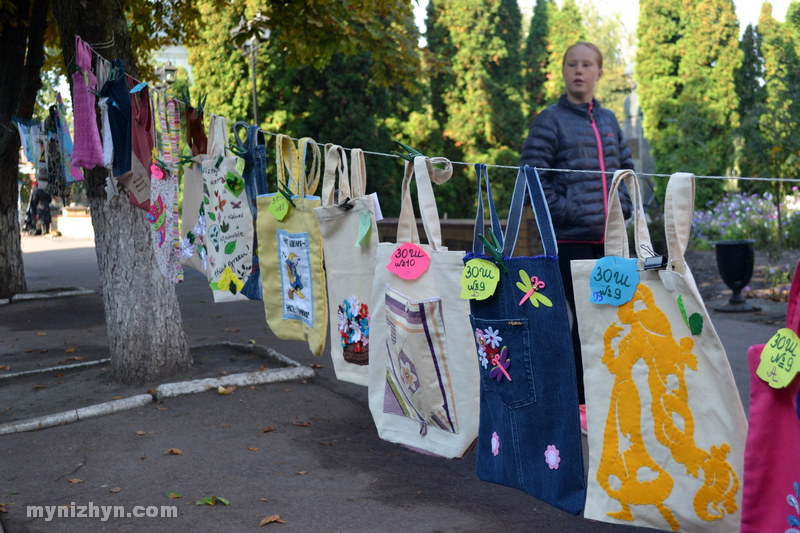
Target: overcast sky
{"type": "Point", "coordinates": [746, 10]}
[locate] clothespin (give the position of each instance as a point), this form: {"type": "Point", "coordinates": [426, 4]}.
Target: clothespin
{"type": "Point", "coordinates": [220, 159]}
{"type": "Point", "coordinates": [410, 152]}
{"type": "Point", "coordinates": [187, 100]}
{"type": "Point", "coordinates": [201, 102]}
{"type": "Point", "coordinates": [286, 193]}
{"type": "Point", "coordinates": [184, 159]}
{"type": "Point", "coordinates": [236, 150]}
{"type": "Point", "coordinates": [161, 165]}
{"type": "Point", "coordinates": [345, 204]}
{"type": "Point", "coordinates": [494, 248]}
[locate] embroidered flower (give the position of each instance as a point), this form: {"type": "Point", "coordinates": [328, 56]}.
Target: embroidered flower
{"type": "Point", "coordinates": [552, 457]}
{"type": "Point", "coordinates": [483, 359]}
{"type": "Point", "coordinates": [495, 444]}
{"type": "Point", "coordinates": [187, 249]}
{"type": "Point", "coordinates": [409, 378]}
{"type": "Point", "coordinates": [200, 227]}
{"type": "Point", "coordinates": [492, 337]}
{"type": "Point", "coordinates": [353, 301]}
{"type": "Point", "coordinates": [228, 277]}
{"type": "Point", "coordinates": [203, 257]}
{"type": "Point", "coordinates": [480, 340]}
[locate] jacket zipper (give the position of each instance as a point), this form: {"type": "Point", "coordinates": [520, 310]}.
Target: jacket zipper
{"type": "Point", "coordinates": [600, 158]}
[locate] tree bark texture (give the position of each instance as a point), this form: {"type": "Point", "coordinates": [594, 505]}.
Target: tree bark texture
{"type": "Point", "coordinates": [20, 65]}
{"type": "Point", "coordinates": [145, 328]}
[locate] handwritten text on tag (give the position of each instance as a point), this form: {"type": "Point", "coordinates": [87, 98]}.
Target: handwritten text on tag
{"type": "Point", "coordinates": [778, 365]}
{"type": "Point", "coordinates": [408, 261]}
{"type": "Point", "coordinates": [479, 279]}
{"type": "Point", "coordinates": [613, 280]}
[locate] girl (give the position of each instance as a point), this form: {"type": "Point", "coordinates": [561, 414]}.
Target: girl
{"type": "Point", "coordinates": [577, 134]}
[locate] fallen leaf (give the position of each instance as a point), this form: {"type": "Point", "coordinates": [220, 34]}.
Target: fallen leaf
{"type": "Point", "coordinates": [301, 473]}
{"type": "Point", "coordinates": [41, 334]}
{"type": "Point", "coordinates": [161, 408]}
{"type": "Point", "coordinates": [225, 425]}
{"type": "Point", "coordinates": [351, 499]}
{"type": "Point", "coordinates": [251, 341]}
{"type": "Point", "coordinates": [272, 518]}
{"type": "Point", "coordinates": [264, 368]}
{"type": "Point", "coordinates": [39, 387]}
{"type": "Point", "coordinates": [253, 449]}
{"type": "Point", "coordinates": [28, 351]}
{"type": "Point", "coordinates": [232, 330]}
{"type": "Point", "coordinates": [326, 443]}
{"type": "Point", "coordinates": [43, 351]}
{"type": "Point", "coordinates": [296, 423]}
{"type": "Point", "coordinates": [59, 375]}
{"type": "Point", "coordinates": [223, 390]}
{"type": "Point", "coordinates": [68, 359]}
{"type": "Point", "coordinates": [223, 373]}
{"type": "Point", "coordinates": [8, 408]}
{"type": "Point", "coordinates": [5, 367]}
{"type": "Point", "coordinates": [173, 451]}
{"type": "Point", "coordinates": [268, 429]}
{"type": "Point", "coordinates": [286, 390]}
{"type": "Point", "coordinates": [69, 350]}
{"type": "Point", "coordinates": [75, 480]}
{"type": "Point", "coordinates": [151, 391]}
{"type": "Point", "coordinates": [419, 492]}
{"type": "Point", "coordinates": [315, 365]}
{"type": "Point", "coordinates": [264, 500]}
{"type": "Point", "coordinates": [60, 382]}
{"type": "Point", "coordinates": [115, 490]}
{"type": "Point", "coordinates": [252, 387]}
{"type": "Point", "coordinates": [144, 457]}
{"type": "Point", "coordinates": [141, 433]}
{"type": "Point", "coordinates": [212, 500]}
{"type": "Point", "coordinates": [117, 397]}
{"type": "Point", "coordinates": [173, 495]}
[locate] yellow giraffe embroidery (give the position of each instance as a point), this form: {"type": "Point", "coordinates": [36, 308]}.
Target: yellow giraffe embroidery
{"type": "Point", "coordinates": [650, 339]}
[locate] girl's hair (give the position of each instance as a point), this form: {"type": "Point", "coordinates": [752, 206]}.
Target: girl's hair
{"type": "Point", "coordinates": [588, 45]}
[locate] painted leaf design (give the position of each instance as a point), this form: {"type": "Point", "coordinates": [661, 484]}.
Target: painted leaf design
{"type": "Point", "coordinates": [696, 323]}
{"type": "Point", "coordinates": [212, 216]}
{"type": "Point", "coordinates": [682, 309]}
{"type": "Point", "coordinates": [225, 226]}
{"type": "Point", "coordinates": [230, 247]}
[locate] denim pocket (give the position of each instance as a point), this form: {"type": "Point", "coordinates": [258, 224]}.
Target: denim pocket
{"type": "Point", "coordinates": [505, 360]}
{"type": "Point", "coordinates": [418, 382]}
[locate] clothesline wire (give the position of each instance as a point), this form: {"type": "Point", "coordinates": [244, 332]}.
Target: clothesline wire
{"type": "Point", "coordinates": [747, 178]}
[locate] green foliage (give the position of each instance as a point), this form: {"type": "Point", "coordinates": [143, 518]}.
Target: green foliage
{"type": "Point", "coordinates": [751, 73]}
{"type": "Point", "coordinates": [686, 60]}
{"type": "Point", "coordinates": [565, 30]}
{"type": "Point", "coordinates": [535, 58]}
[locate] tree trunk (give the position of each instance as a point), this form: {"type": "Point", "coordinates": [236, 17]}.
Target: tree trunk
{"type": "Point", "coordinates": [145, 329]}
{"type": "Point", "coordinates": [23, 52]}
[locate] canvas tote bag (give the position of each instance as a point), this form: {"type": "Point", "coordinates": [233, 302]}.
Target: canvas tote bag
{"type": "Point", "coordinates": [666, 425]}
{"type": "Point", "coordinates": [772, 480]}
{"type": "Point", "coordinates": [529, 436]}
{"type": "Point", "coordinates": [350, 239]}
{"type": "Point", "coordinates": [423, 374]}
{"type": "Point", "coordinates": [290, 249]}
{"type": "Point", "coordinates": [193, 222]}
{"type": "Point", "coordinates": [228, 221]}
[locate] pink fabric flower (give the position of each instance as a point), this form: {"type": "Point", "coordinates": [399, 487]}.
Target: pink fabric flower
{"type": "Point", "coordinates": [552, 456]}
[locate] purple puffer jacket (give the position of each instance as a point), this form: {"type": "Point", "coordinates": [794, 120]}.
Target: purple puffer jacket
{"type": "Point", "coordinates": [563, 136]}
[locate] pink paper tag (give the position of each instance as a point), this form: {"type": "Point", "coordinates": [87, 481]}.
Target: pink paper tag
{"type": "Point", "coordinates": [156, 171]}
{"type": "Point", "coordinates": [408, 261]}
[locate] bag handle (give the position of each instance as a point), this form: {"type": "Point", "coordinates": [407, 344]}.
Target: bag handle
{"type": "Point", "coordinates": [292, 159]}
{"type": "Point", "coordinates": [335, 161]}
{"type": "Point", "coordinates": [482, 174]}
{"type": "Point", "coordinates": [616, 236]}
{"type": "Point", "coordinates": [358, 173]}
{"type": "Point", "coordinates": [242, 145]}
{"type": "Point", "coordinates": [528, 182]}
{"type": "Point", "coordinates": [217, 136]}
{"type": "Point", "coordinates": [678, 212]}
{"type": "Point", "coordinates": [425, 174]}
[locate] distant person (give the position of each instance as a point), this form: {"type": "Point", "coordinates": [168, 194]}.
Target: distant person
{"type": "Point", "coordinates": [40, 208]}
{"type": "Point", "coordinates": [577, 134]}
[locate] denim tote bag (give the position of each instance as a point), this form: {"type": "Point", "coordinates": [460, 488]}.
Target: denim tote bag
{"type": "Point", "coordinates": [529, 434]}
{"type": "Point", "coordinates": [254, 152]}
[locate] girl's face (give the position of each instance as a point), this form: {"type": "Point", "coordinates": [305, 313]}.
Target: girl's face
{"type": "Point", "coordinates": [581, 72]}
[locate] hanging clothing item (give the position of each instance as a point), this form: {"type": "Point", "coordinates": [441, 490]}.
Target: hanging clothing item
{"type": "Point", "coordinates": [108, 141]}
{"type": "Point", "coordinates": [28, 132]}
{"type": "Point", "coordinates": [529, 436]}
{"type": "Point", "coordinates": [666, 424]}
{"type": "Point", "coordinates": [65, 146]}
{"type": "Point", "coordinates": [119, 116]}
{"type": "Point", "coordinates": [87, 152]}
{"type": "Point", "coordinates": [350, 239]}
{"type": "Point", "coordinates": [771, 482]}
{"type": "Point", "coordinates": [228, 222]}
{"type": "Point", "coordinates": [193, 221]}
{"type": "Point", "coordinates": [142, 143]}
{"type": "Point", "coordinates": [290, 248]}
{"type": "Point", "coordinates": [254, 152]}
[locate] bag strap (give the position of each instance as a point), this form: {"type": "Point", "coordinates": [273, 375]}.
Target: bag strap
{"type": "Point", "coordinates": [242, 145]}
{"type": "Point", "coordinates": [335, 162]}
{"type": "Point", "coordinates": [358, 173]}
{"type": "Point", "coordinates": [217, 136]}
{"type": "Point", "coordinates": [541, 213]}
{"type": "Point", "coordinates": [482, 174]}
{"type": "Point", "coordinates": [425, 174]}
{"type": "Point", "coordinates": [793, 305]}
{"type": "Point", "coordinates": [292, 159]}
{"type": "Point", "coordinates": [616, 237]}
{"type": "Point", "coordinates": [678, 213]}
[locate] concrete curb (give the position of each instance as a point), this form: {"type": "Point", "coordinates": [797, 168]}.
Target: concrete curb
{"type": "Point", "coordinates": [51, 293]}
{"type": "Point", "coordinates": [52, 368]}
{"type": "Point", "coordinates": [170, 390]}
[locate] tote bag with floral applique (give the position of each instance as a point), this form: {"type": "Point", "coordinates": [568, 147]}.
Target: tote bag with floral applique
{"type": "Point", "coordinates": [423, 375]}
{"type": "Point", "coordinates": [350, 240]}
{"type": "Point", "coordinates": [290, 248]}
{"type": "Point", "coordinates": [666, 424]}
{"type": "Point", "coordinates": [228, 221]}
{"type": "Point", "coordinates": [193, 222]}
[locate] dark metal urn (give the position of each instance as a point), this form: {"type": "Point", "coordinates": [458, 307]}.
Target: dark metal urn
{"type": "Point", "coordinates": [735, 263]}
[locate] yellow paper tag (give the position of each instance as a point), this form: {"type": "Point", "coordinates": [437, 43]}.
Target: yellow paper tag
{"type": "Point", "coordinates": [778, 364]}
{"type": "Point", "coordinates": [239, 165]}
{"type": "Point", "coordinates": [479, 279]}
{"type": "Point", "coordinates": [279, 207]}
{"type": "Point", "coordinates": [364, 226]}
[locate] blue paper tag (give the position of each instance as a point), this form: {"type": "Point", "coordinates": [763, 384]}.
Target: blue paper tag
{"type": "Point", "coordinates": [139, 87]}
{"type": "Point", "coordinates": [613, 280]}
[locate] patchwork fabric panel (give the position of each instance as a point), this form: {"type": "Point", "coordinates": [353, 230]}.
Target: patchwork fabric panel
{"type": "Point", "coordinates": [418, 383]}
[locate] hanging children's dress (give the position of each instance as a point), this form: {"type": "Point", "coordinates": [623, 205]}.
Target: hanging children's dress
{"type": "Point", "coordinates": [117, 92]}
{"type": "Point", "coordinates": [142, 143]}
{"type": "Point", "coordinates": [87, 151]}
{"type": "Point", "coordinates": [529, 436]}
{"type": "Point", "coordinates": [350, 239]}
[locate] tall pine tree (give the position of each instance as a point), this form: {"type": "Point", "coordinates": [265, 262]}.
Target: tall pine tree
{"type": "Point", "coordinates": [535, 58]}
{"type": "Point", "coordinates": [566, 29]}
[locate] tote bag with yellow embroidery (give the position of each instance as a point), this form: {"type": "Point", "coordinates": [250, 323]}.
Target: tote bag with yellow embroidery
{"type": "Point", "coordinates": [666, 425]}
{"type": "Point", "coordinates": [290, 248]}
{"type": "Point", "coordinates": [350, 239]}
